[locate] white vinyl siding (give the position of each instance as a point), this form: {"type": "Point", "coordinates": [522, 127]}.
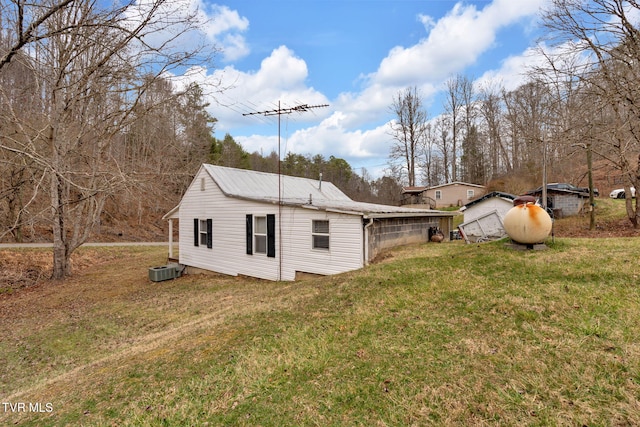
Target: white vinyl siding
{"type": "Point", "coordinates": [229, 253]}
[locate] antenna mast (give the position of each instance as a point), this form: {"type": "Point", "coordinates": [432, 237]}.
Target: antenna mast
{"type": "Point", "coordinates": [279, 112]}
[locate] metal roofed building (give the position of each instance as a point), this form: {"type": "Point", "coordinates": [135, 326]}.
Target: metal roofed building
{"type": "Point", "coordinates": [271, 226]}
{"type": "Point", "coordinates": [483, 216]}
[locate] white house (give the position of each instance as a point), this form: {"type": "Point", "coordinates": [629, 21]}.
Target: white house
{"type": "Point", "coordinates": [271, 226]}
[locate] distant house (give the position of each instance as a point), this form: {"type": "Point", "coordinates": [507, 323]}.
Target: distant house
{"type": "Point", "coordinates": [452, 194]}
{"type": "Point", "coordinates": [561, 201]}
{"type": "Point", "coordinates": [483, 216]}
{"type": "Point", "coordinates": [242, 222]}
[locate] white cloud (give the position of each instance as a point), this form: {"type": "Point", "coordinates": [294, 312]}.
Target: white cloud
{"type": "Point", "coordinates": [281, 77]}
{"type": "Point", "coordinates": [355, 127]}
{"type": "Point", "coordinates": [513, 70]}
{"type": "Point", "coordinates": [454, 42]}
{"type": "Point", "coordinates": [224, 28]}
{"type": "Point", "coordinates": [185, 25]}
{"type": "Point", "coordinates": [330, 136]}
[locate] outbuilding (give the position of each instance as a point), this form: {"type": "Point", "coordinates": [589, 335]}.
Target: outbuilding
{"type": "Point", "coordinates": [563, 202]}
{"type": "Point", "coordinates": [272, 226]}
{"type": "Point", "coordinates": [483, 216]}
{"type": "Point", "coordinates": [498, 201]}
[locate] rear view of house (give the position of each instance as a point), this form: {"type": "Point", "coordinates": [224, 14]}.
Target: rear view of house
{"type": "Point", "coordinates": [241, 222]}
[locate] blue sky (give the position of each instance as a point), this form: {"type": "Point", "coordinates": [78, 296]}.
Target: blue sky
{"type": "Point", "coordinates": [354, 55]}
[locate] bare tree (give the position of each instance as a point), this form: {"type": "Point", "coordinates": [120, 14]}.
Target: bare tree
{"type": "Point", "coordinates": [429, 167]}
{"type": "Point", "coordinates": [472, 161]}
{"type": "Point", "coordinates": [93, 65]}
{"type": "Point", "coordinates": [457, 89]}
{"type": "Point", "coordinates": [18, 98]}
{"type": "Point", "coordinates": [529, 118]}
{"type": "Point", "coordinates": [408, 131]}
{"type": "Point", "coordinates": [491, 111]}
{"type": "Point", "coordinates": [29, 22]}
{"type": "Point", "coordinates": [603, 36]}
{"type": "Point", "coordinates": [443, 140]}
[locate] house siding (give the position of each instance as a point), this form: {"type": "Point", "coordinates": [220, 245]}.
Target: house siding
{"type": "Point", "coordinates": [454, 194]}
{"type": "Point", "coordinates": [345, 243]}
{"type": "Point", "coordinates": [228, 254]}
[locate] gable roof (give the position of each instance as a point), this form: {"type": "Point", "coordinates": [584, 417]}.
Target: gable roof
{"type": "Point", "coordinates": [456, 183]}
{"type": "Point", "coordinates": [302, 192]}
{"type": "Point", "coordinates": [263, 186]}
{"type": "Point", "coordinates": [499, 194]}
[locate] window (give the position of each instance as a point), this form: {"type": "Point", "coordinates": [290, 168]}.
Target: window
{"type": "Point", "coordinates": [469, 194]}
{"type": "Point", "coordinates": [201, 184]}
{"type": "Point", "coordinates": [438, 194]}
{"type": "Point", "coordinates": [260, 235]}
{"type": "Point", "coordinates": [203, 232]}
{"type": "Point", "coordinates": [320, 234]}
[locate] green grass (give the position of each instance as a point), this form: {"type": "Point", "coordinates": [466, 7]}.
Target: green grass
{"type": "Point", "coordinates": [438, 334]}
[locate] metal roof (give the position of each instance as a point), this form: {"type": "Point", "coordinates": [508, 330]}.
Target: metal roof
{"type": "Point", "coordinates": [263, 186]}
{"type": "Point", "coordinates": [302, 192]}
{"type": "Point", "coordinates": [449, 184]}
{"type": "Point", "coordinates": [500, 194]}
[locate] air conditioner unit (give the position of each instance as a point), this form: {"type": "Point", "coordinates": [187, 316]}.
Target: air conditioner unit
{"type": "Point", "coordinates": [165, 272]}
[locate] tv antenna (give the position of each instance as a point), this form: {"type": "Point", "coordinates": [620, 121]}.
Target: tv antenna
{"type": "Point", "coordinates": [279, 112]}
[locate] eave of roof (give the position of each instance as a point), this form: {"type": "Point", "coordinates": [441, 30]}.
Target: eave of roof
{"type": "Point", "coordinates": [499, 194]}
{"type": "Point", "coordinates": [456, 183]}
{"type": "Point", "coordinates": [300, 192]}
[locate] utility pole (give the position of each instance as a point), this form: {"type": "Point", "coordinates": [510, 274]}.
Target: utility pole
{"type": "Point", "coordinates": [279, 112]}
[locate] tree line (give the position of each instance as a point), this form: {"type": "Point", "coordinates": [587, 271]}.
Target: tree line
{"type": "Point", "coordinates": [95, 128]}
{"type": "Point", "coordinates": [582, 100]}
{"type": "Point", "coordinates": [95, 125]}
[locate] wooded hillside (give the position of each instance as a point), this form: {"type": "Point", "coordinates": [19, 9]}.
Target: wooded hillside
{"type": "Point", "coordinates": [99, 135]}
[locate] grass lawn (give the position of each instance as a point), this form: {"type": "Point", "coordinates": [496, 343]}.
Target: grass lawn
{"type": "Point", "coordinates": [436, 334]}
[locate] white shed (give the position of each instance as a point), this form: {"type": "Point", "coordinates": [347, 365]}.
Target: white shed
{"type": "Point", "coordinates": [483, 216]}
{"type": "Point", "coordinates": [495, 200]}
{"type": "Point", "coordinates": [271, 226]}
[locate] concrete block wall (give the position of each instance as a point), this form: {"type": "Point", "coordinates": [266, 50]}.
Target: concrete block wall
{"type": "Point", "coordinates": [387, 233]}
{"type": "Point", "coordinates": [567, 205]}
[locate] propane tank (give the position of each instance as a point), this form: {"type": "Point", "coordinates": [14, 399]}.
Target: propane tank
{"type": "Point", "coordinates": [527, 223]}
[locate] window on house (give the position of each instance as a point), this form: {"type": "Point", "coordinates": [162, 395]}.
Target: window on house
{"type": "Point", "coordinates": [320, 234]}
{"type": "Point", "coordinates": [260, 235]}
{"type": "Point", "coordinates": [469, 194]}
{"type": "Point", "coordinates": [201, 184]}
{"type": "Point", "coordinates": [438, 194]}
{"type": "Point", "coordinates": [203, 232]}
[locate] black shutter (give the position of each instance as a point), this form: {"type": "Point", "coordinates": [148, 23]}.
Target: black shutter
{"type": "Point", "coordinates": [209, 233]}
{"type": "Point", "coordinates": [271, 235]}
{"type": "Point", "coordinates": [249, 234]}
{"type": "Point", "coordinates": [196, 233]}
